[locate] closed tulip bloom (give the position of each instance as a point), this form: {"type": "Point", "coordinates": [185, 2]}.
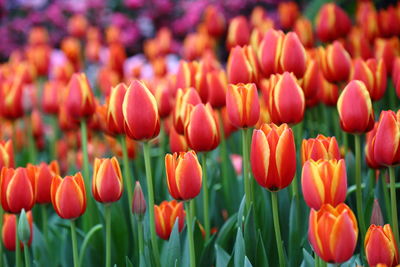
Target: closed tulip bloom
{"type": "Point", "coordinates": [387, 141]}
{"type": "Point", "coordinates": [9, 228]}
{"type": "Point", "coordinates": [388, 22]}
{"type": "Point", "coordinates": [319, 148]}
{"type": "Point", "coordinates": [242, 104]}
{"type": "Point", "coordinates": [184, 175]}
{"type": "Point", "coordinates": [177, 142]}
{"type": "Point", "coordinates": [18, 189]}
{"type": "Point", "coordinates": [369, 148]}
{"type": "Point", "coordinates": [115, 116]}
{"type": "Point", "coordinates": [214, 20]}
{"type": "Point", "coordinates": [270, 51]}
{"type": "Point", "coordinates": [380, 246]}
{"type": "Point", "coordinates": [107, 185]}
{"type": "Point", "coordinates": [11, 92]}
{"type": "Point", "coordinates": [164, 99]}
{"type": "Point", "coordinates": [79, 99]}
{"type": "Point", "coordinates": [358, 45]}
{"type": "Point", "coordinates": [328, 92]}
{"type": "Point", "coordinates": [273, 156]}
{"type": "Point", "coordinates": [293, 56]}
{"type": "Point", "coordinates": [142, 121]}
{"type": "Point", "coordinates": [6, 154]}
{"type": "Point", "coordinates": [335, 62]}
{"type": "Point", "coordinates": [186, 99]}
{"type": "Point", "coordinates": [311, 80]}
{"type": "Point", "coordinates": [324, 182]}
{"type": "Point", "coordinates": [185, 74]}
{"type": "Point", "coordinates": [303, 29]}
{"type": "Point", "coordinates": [387, 50]}
{"type": "Point", "coordinates": [138, 201]}
{"type": "Point", "coordinates": [355, 108]}
{"type": "Point", "coordinates": [333, 232]}
{"type": "Point", "coordinates": [217, 84]}
{"type": "Point", "coordinates": [202, 132]}
{"type": "Point", "coordinates": [239, 67]}
{"type": "Point", "coordinates": [50, 98]}
{"type": "Point", "coordinates": [72, 49]}
{"type": "Point", "coordinates": [165, 216]}
{"type": "Point", "coordinates": [238, 32]}
{"type": "Point", "coordinates": [288, 14]}
{"type": "Point", "coordinates": [332, 22]}
{"type": "Point", "coordinates": [68, 196]}
{"type": "Point", "coordinates": [44, 177]}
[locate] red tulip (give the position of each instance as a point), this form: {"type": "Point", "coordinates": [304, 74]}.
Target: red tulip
{"type": "Point", "coordinates": [242, 65]}
{"type": "Point", "coordinates": [138, 201]}
{"type": "Point", "coordinates": [238, 32]}
{"type": "Point", "coordinates": [51, 95]}
{"type": "Point", "coordinates": [115, 117]}
{"type": "Point", "coordinates": [165, 216]}
{"type": "Point", "coordinates": [79, 99]}
{"type": "Point", "coordinates": [214, 20]}
{"type": "Point", "coordinates": [217, 84]}
{"type": "Point", "coordinates": [380, 246]}
{"type": "Point", "coordinates": [288, 14]}
{"type": "Point", "coordinates": [44, 177]}
{"type": "Point", "coordinates": [177, 142]}
{"type": "Point", "coordinates": [332, 22]}
{"type": "Point", "coordinates": [303, 29]}
{"type": "Point", "coordinates": [185, 100]}
{"type": "Point", "coordinates": [319, 148]}
{"type": "Point", "coordinates": [293, 56]}
{"type": "Point", "coordinates": [9, 228]}
{"type": "Point", "coordinates": [335, 62]}
{"type": "Point", "coordinates": [107, 185]}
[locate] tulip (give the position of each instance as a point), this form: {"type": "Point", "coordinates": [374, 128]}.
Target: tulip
{"type": "Point", "coordinates": [186, 99]}
{"type": "Point", "coordinates": [332, 22]}
{"type": "Point", "coordinates": [318, 148]}
{"type": "Point", "coordinates": [293, 56]}
{"type": "Point", "coordinates": [311, 81]}
{"type": "Point", "coordinates": [107, 183]}
{"type": "Point", "coordinates": [164, 99]}
{"type": "Point", "coordinates": [138, 201]}
{"type": "Point", "coordinates": [72, 49]}
{"type": "Point", "coordinates": [50, 98]}
{"type": "Point", "coordinates": [6, 154]}
{"type": "Point", "coordinates": [369, 148]}
{"type": "Point", "coordinates": [388, 22]}
{"type": "Point", "coordinates": [39, 57]}
{"type": "Point", "coordinates": [38, 36]}
{"type": "Point", "coordinates": [140, 111]}
{"type": "Point", "coordinates": [184, 175]}
{"type": "Point", "coordinates": [333, 232]}
{"type": "Point", "coordinates": [273, 156]}
{"type": "Point", "coordinates": [303, 29]}
{"type": "Point", "coordinates": [387, 50]}
{"type": "Point", "coordinates": [79, 99]}
{"type": "Point", "coordinates": [177, 142]}
{"type": "Point", "coordinates": [116, 58]}
{"type": "Point", "coordinates": [238, 32]}
{"type": "Point", "coordinates": [185, 74]}
{"type": "Point", "coordinates": [77, 25]}
{"type": "Point", "coordinates": [269, 52]}
{"type": "Point", "coordinates": [329, 92]}
{"type": "Point", "coordinates": [44, 177]}
{"type": "Point", "coordinates": [288, 14]}
{"type": "Point", "coordinates": [18, 189]}
{"type": "Point", "coordinates": [115, 117]}
{"type": "Point", "coordinates": [214, 20]}
{"type": "Point", "coordinates": [242, 104]}
{"type": "Point", "coordinates": [355, 108]}
{"type": "Point", "coordinates": [335, 62]}
{"type": "Point", "coordinates": [217, 84]}
{"type": "Point", "coordinates": [358, 45]}
{"type": "Point", "coordinates": [11, 92]}
{"type": "Point", "coordinates": [68, 196]}
{"type": "Point", "coordinates": [165, 216]}
{"type": "Point", "coordinates": [380, 246]}
{"type": "Point", "coordinates": [9, 228]}
{"type": "Point", "coordinates": [324, 182]}
{"type": "Point", "coordinates": [367, 19]}
{"type": "Point", "coordinates": [242, 65]}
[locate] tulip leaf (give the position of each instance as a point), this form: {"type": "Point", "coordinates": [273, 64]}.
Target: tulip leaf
{"type": "Point", "coordinates": [308, 260]}
{"type": "Point", "coordinates": [222, 257]}
{"type": "Point", "coordinates": [239, 250]}
{"type": "Point", "coordinates": [294, 233]}
{"type": "Point", "coordinates": [247, 263]}
{"type": "Point", "coordinates": [225, 234]}
{"type": "Point", "coordinates": [261, 256]}
{"type": "Point", "coordinates": [240, 214]}
{"type": "Point", "coordinates": [207, 256]}
{"type": "Point", "coordinates": [250, 236]}
{"type": "Point", "coordinates": [128, 262]}
{"type": "Point", "coordinates": [86, 241]}
{"type": "Point", "coordinates": [174, 247]}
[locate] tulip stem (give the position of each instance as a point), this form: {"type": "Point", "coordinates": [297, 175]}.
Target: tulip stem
{"type": "Point", "coordinates": [246, 178]}
{"type": "Point", "coordinates": [44, 221]}
{"type": "Point", "coordinates": [74, 243]}
{"type": "Point", "coordinates": [205, 197]}
{"type": "Point", "coordinates": [386, 197]}
{"type": "Point", "coordinates": [275, 214]}
{"type": "Point", "coordinates": [189, 221]}
{"type": "Point", "coordinates": [26, 255]}
{"type": "Point", "coordinates": [150, 191]}
{"type": "Point", "coordinates": [140, 234]}
{"type": "Point", "coordinates": [53, 139]}
{"type": "Point", "coordinates": [224, 161]}
{"type": "Point", "coordinates": [17, 245]}
{"type": "Point", "coordinates": [358, 186]}
{"type": "Point", "coordinates": [31, 142]}
{"type": "Point", "coordinates": [107, 211]}
{"type": "Point", "coordinates": [393, 203]}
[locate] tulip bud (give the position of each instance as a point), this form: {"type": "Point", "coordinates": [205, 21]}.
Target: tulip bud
{"type": "Point", "coordinates": [165, 216]}
{"type": "Point", "coordinates": [186, 99]}
{"type": "Point", "coordinates": [273, 156]}
{"type": "Point", "coordinates": [72, 49]}
{"type": "Point", "coordinates": [217, 83]}
{"type": "Point", "coordinates": [387, 50]}
{"type": "Point", "coordinates": [18, 189]}
{"type": "Point", "coordinates": [242, 104]}
{"type": "Point", "coordinates": [11, 92]}
{"type": "Point", "coordinates": [107, 185]}
{"type": "Point", "coordinates": [303, 29]}
{"type": "Point", "coordinates": [6, 154]}
{"type": "Point", "coordinates": [202, 133]}
{"type": "Point", "coordinates": [358, 45]}
{"type": "Point", "coordinates": [324, 182]}
{"type": "Point", "coordinates": [238, 32]}
{"type": "Point", "coordinates": [380, 246]}
{"type": "Point", "coordinates": [36, 124]}
{"type": "Point", "coordinates": [335, 62]}
{"type": "Point", "coordinates": [338, 239]}
{"type": "Point", "coordinates": [138, 201]}
{"type": "Point", "coordinates": [332, 22]}
{"type": "Point", "coordinates": [367, 19]}
{"type": "Point", "coordinates": [293, 56]}
{"type": "Point", "coordinates": [388, 22]}
{"type": "Point", "coordinates": [9, 228]}
{"type": "Point", "coordinates": [214, 20]}
{"type": "Point", "coordinates": [319, 148]}
{"type": "Point", "coordinates": [184, 175]}
{"type": "Point", "coordinates": [288, 14]}
{"type": "Point", "coordinates": [44, 177]}
{"type": "Point", "coordinates": [355, 108]}
{"type": "Point", "coordinates": [24, 231]}
{"type": "Point", "coordinates": [369, 148]}
{"type": "Point", "coordinates": [142, 121]}
{"type": "Point", "coordinates": [177, 142]}
{"type": "Point", "coordinates": [241, 65]}
{"type": "Point", "coordinates": [77, 25]}
{"type": "Point", "coordinates": [115, 116]}
{"type": "Point", "coordinates": [50, 100]}
{"type": "Point", "coordinates": [311, 80]}
{"type": "Point", "coordinates": [79, 100]}
{"type": "Point", "coordinates": [68, 196]}
{"type": "Point", "coordinates": [376, 216]}
{"type": "Point", "coordinates": [164, 99]}
{"type": "Point", "coordinates": [270, 51]}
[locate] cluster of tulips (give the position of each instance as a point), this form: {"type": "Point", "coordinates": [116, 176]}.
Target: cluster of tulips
{"type": "Point", "coordinates": [283, 101]}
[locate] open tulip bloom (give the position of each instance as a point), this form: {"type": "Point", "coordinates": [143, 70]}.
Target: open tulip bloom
{"type": "Point", "coordinates": [131, 140]}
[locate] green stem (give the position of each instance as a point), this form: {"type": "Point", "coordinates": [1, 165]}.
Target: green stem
{"type": "Point", "coordinates": [53, 139]}
{"type": "Point", "coordinates": [335, 121]}
{"type": "Point", "coordinates": [246, 179]}
{"type": "Point", "coordinates": [205, 197]}
{"type": "Point", "coordinates": [17, 245]}
{"type": "Point", "coordinates": [189, 221]}
{"type": "Point", "coordinates": [44, 221]}
{"type": "Point", "coordinates": [107, 208]}
{"type": "Point", "coordinates": [74, 243]}
{"type": "Point", "coordinates": [275, 214]}
{"type": "Point", "coordinates": [85, 154]}
{"type": "Point", "coordinates": [140, 234]}
{"type": "Point", "coordinates": [359, 200]}
{"type": "Point", "coordinates": [149, 178]}
{"type": "Point", "coordinates": [31, 142]}
{"type": "Point", "coordinates": [386, 197]}
{"type": "Point", "coordinates": [393, 203]}
{"type": "Point", "coordinates": [26, 255]}
{"type": "Point", "coordinates": [224, 162]}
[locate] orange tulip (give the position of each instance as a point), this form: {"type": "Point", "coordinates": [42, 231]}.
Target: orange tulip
{"type": "Point", "coordinates": [214, 20]}
{"type": "Point", "coordinates": [311, 81]}
{"type": "Point", "coordinates": [332, 22]}
{"type": "Point", "coordinates": [165, 216]}
{"type": "Point", "coordinates": [79, 99]}
{"type": "Point", "coordinates": [386, 144]}
{"type": "Point", "coordinates": [184, 175]}
{"type": "Point", "coordinates": [38, 36]}
{"type": "Point", "coordinates": [380, 246]}
{"type": "Point", "coordinates": [269, 52]}
{"type": "Point", "coordinates": [324, 182]}
{"type": "Point", "coordinates": [164, 99]}
{"type": "Point", "coordinates": [387, 50]}
{"type": "Point", "coordinates": [44, 177]}
{"type": "Point", "coordinates": [288, 14]}
{"type": "Point", "coordinates": [107, 185]}
{"type": "Point", "coordinates": [68, 196]}
{"type": "Point", "coordinates": [319, 148]}
{"type": "Point", "coordinates": [39, 57]}
{"type": "Point", "coordinates": [6, 154]}
{"type": "Point", "coordinates": [115, 117]}
{"type": "Point", "coordinates": [355, 108]}
{"type": "Point", "coordinates": [242, 65]}
{"type": "Point", "coordinates": [138, 201]}
{"type": "Point", "coordinates": [77, 25]}
{"type": "Point", "coordinates": [202, 132]}
{"type": "Point", "coordinates": [388, 21]}
{"type": "Point", "coordinates": [303, 29]}
{"type": "Point", "coordinates": [273, 156]}
{"type": "Point", "coordinates": [238, 32]}
{"type": "Point", "coordinates": [72, 49]}
{"type": "Point", "coordinates": [333, 232]}
{"type": "Point", "coordinates": [177, 142]}
{"type": "Point", "coordinates": [10, 226]}
{"type": "Point", "coordinates": [186, 99]}
{"type": "Point", "coordinates": [335, 62]}
{"type": "Point", "coordinates": [217, 84]}
{"type": "Point", "coordinates": [50, 98]}
{"type": "Point", "coordinates": [358, 45]}
{"type": "Point", "coordinates": [142, 121]}
{"type": "Point", "coordinates": [11, 92]}
{"type": "Point", "coordinates": [18, 189]}
{"type": "Point", "coordinates": [242, 104]}
{"type": "Point", "coordinates": [369, 148]}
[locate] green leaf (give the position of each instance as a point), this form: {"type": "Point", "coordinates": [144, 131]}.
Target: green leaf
{"type": "Point", "coordinates": [308, 260]}
{"type": "Point", "coordinates": [174, 247]}
{"type": "Point", "coordinates": [225, 235]}
{"type": "Point", "coordinates": [247, 263]}
{"type": "Point", "coordinates": [207, 256]}
{"type": "Point", "coordinates": [261, 256]}
{"type": "Point", "coordinates": [128, 262]}
{"type": "Point", "coordinates": [86, 241]}
{"type": "Point", "coordinates": [240, 214]}
{"type": "Point", "coordinates": [250, 235]}
{"type": "Point", "coordinates": [239, 251]}
{"type": "Point", "coordinates": [294, 233]}
{"type": "Point", "coordinates": [222, 257]}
